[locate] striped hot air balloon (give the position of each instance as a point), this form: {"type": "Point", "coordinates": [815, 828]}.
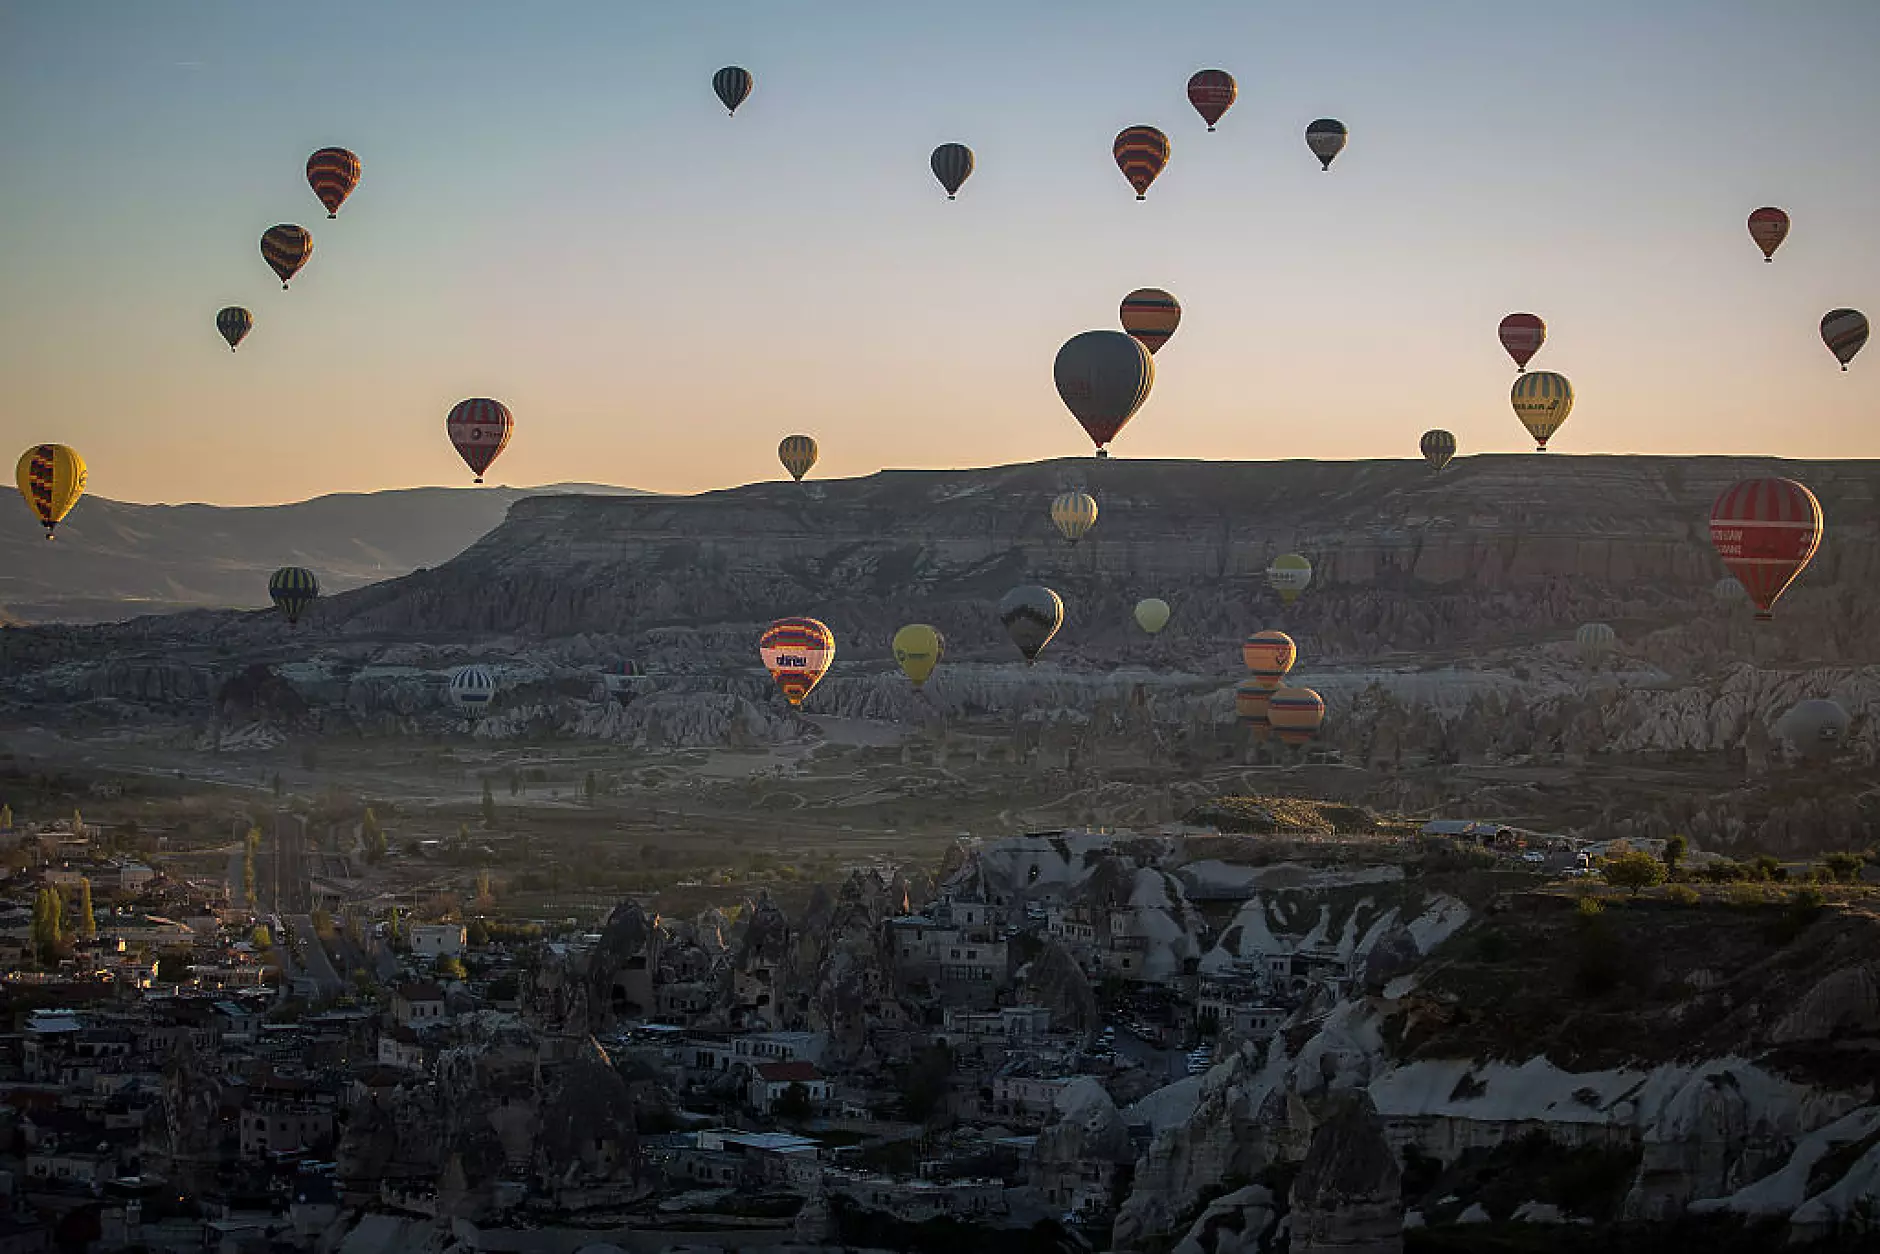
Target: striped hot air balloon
{"type": "Point", "coordinates": [1326, 138]}
{"type": "Point", "coordinates": [51, 477]}
{"type": "Point", "coordinates": [1769, 226]}
{"type": "Point", "coordinates": [286, 248]}
{"type": "Point", "coordinates": [952, 165]}
{"type": "Point", "coordinates": [797, 652]}
{"type": "Point", "coordinates": [471, 691]}
{"type": "Point", "coordinates": [1766, 531]}
{"type": "Point", "coordinates": [1269, 655]}
{"type": "Point", "coordinates": [1542, 401]}
{"type": "Point", "coordinates": [1595, 641]}
{"type": "Point", "coordinates": [1151, 316]}
{"type": "Point", "coordinates": [1522, 334]}
{"type": "Point", "coordinates": [1074, 513]}
{"type": "Point", "coordinates": [733, 85]}
{"type": "Point", "coordinates": [1251, 702]}
{"type": "Point", "coordinates": [1140, 152]}
{"type": "Point", "coordinates": [333, 173]}
{"type": "Point", "coordinates": [1296, 714]}
{"type": "Point", "coordinates": [479, 429]}
{"type": "Point", "coordinates": [1103, 377]}
{"type": "Point", "coordinates": [1212, 93]}
{"type": "Point", "coordinates": [1844, 331]}
{"type": "Point", "coordinates": [234, 323]}
{"type": "Point", "coordinates": [293, 589]}
{"type": "Point", "coordinates": [798, 454]}
{"type": "Point", "coordinates": [1438, 447]}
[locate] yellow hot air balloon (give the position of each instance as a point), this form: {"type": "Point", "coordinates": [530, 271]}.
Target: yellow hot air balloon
{"type": "Point", "coordinates": [798, 454]}
{"type": "Point", "coordinates": [1296, 714]}
{"type": "Point", "coordinates": [1542, 401]}
{"type": "Point", "coordinates": [1289, 575]}
{"type": "Point", "coordinates": [1152, 614]}
{"type": "Point", "coordinates": [51, 478]}
{"type": "Point", "coordinates": [917, 649]}
{"type": "Point", "coordinates": [1074, 513]}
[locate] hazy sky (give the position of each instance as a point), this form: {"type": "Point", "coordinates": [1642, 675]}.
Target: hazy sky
{"type": "Point", "coordinates": [556, 212]}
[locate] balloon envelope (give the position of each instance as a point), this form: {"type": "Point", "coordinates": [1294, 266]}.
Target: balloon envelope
{"type": "Point", "coordinates": [1729, 590]}
{"type": "Point", "coordinates": [479, 429]}
{"type": "Point", "coordinates": [1031, 615]}
{"type": "Point", "coordinates": [234, 323]}
{"type": "Point", "coordinates": [1296, 714]}
{"type": "Point", "coordinates": [1103, 377]}
{"type": "Point", "coordinates": [1326, 138]}
{"type": "Point", "coordinates": [1251, 706]}
{"type": "Point", "coordinates": [1522, 335]}
{"type": "Point", "coordinates": [293, 589]}
{"type": "Point", "coordinates": [1269, 655]}
{"type": "Point", "coordinates": [333, 173]}
{"type": "Point", "coordinates": [1844, 331]}
{"type": "Point", "coordinates": [952, 165]}
{"type": "Point", "coordinates": [1074, 513]}
{"type": "Point", "coordinates": [471, 690]}
{"type": "Point", "coordinates": [1817, 728]}
{"type": "Point", "coordinates": [797, 652]}
{"type": "Point", "coordinates": [1438, 447]}
{"type": "Point", "coordinates": [1152, 614]}
{"type": "Point", "coordinates": [1766, 531]}
{"type": "Point", "coordinates": [286, 248]}
{"type": "Point", "coordinates": [1151, 315]}
{"type": "Point", "coordinates": [917, 650]}
{"type": "Point", "coordinates": [51, 477]}
{"type": "Point", "coordinates": [1289, 575]}
{"type": "Point", "coordinates": [1595, 641]}
{"type": "Point", "coordinates": [1769, 226]}
{"type": "Point", "coordinates": [1212, 93]}
{"type": "Point", "coordinates": [733, 85]}
{"type": "Point", "coordinates": [1542, 401]}
{"type": "Point", "coordinates": [798, 454]}
{"type": "Point", "coordinates": [1140, 152]}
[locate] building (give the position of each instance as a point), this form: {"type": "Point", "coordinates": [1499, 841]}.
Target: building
{"type": "Point", "coordinates": [438, 940]}
{"type": "Point", "coordinates": [771, 1081]}
{"type": "Point", "coordinates": [417, 1005]}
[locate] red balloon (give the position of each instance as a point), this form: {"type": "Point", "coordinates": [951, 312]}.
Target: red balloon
{"type": "Point", "coordinates": [1212, 93]}
{"type": "Point", "coordinates": [1766, 531]}
{"type": "Point", "coordinates": [479, 429]}
{"type": "Point", "coordinates": [1769, 226]}
{"type": "Point", "coordinates": [1522, 334]}
{"type": "Point", "coordinates": [1140, 152]}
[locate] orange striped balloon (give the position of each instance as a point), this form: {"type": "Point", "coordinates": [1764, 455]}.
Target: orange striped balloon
{"type": "Point", "coordinates": [1151, 315]}
{"type": "Point", "coordinates": [1296, 714]}
{"type": "Point", "coordinates": [333, 173]}
{"type": "Point", "coordinates": [286, 248]}
{"type": "Point", "coordinates": [1140, 152]}
{"type": "Point", "coordinates": [1269, 655]}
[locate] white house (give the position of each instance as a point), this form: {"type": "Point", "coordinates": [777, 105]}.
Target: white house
{"type": "Point", "coordinates": [436, 940]}
{"type": "Point", "coordinates": [771, 1080]}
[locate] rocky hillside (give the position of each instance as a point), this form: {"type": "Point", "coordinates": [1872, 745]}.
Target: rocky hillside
{"type": "Point", "coordinates": [114, 559]}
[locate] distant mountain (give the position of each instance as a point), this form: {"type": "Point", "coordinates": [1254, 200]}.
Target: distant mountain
{"type": "Point", "coordinates": [113, 560]}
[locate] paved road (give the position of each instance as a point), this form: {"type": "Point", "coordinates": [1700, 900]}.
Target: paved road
{"type": "Point", "coordinates": [312, 957]}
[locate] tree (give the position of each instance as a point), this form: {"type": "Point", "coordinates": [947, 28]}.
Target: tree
{"type": "Point", "coordinates": [489, 805]}
{"type": "Point", "coordinates": [78, 822]}
{"type": "Point", "coordinates": [589, 787]}
{"type": "Point", "coordinates": [1844, 867]}
{"type": "Point", "coordinates": [6, 818]}
{"type": "Point", "coordinates": [261, 938]}
{"type": "Point", "coordinates": [927, 1080]}
{"type": "Point", "coordinates": [448, 968]}
{"type": "Point", "coordinates": [279, 787]}
{"type": "Point", "coordinates": [477, 935]}
{"type": "Point", "coordinates": [87, 921]}
{"type": "Point", "coordinates": [486, 892]}
{"type": "Point", "coordinates": [323, 925]}
{"type": "Point", "coordinates": [1633, 871]}
{"type": "Point", "coordinates": [1675, 849]}
{"type": "Point", "coordinates": [794, 1103]}
{"type": "Point", "coordinates": [373, 836]}
{"type": "Point", "coordinates": [248, 876]}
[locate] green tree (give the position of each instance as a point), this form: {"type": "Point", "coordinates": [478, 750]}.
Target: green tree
{"type": "Point", "coordinates": [248, 877]}
{"type": "Point", "coordinates": [1769, 867]}
{"type": "Point", "coordinates": [323, 925]}
{"type": "Point", "coordinates": [489, 805]}
{"type": "Point", "coordinates": [261, 938]}
{"type": "Point", "coordinates": [486, 892]}
{"type": "Point", "coordinates": [87, 921]}
{"type": "Point", "coordinates": [78, 822]}
{"type": "Point", "coordinates": [1675, 849]}
{"type": "Point", "coordinates": [794, 1102]}
{"type": "Point", "coordinates": [6, 818]}
{"type": "Point", "coordinates": [372, 835]}
{"type": "Point", "coordinates": [928, 1077]}
{"type": "Point", "coordinates": [448, 968]}
{"type": "Point", "coordinates": [477, 935]}
{"type": "Point", "coordinates": [1844, 867]}
{"type": "Point", "coordinates": [1633, 871]}
{"type": "Point", "coordinates": [45, 940]}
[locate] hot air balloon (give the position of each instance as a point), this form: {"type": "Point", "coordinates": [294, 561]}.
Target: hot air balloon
{"type": "Point", "coordinates": [1289, 575]}
{"type": "Point", "coordinates": [1251, 706]}
{"type": "Point", "coordinates": [1769, 226]}
{"type": "Point", "coordinates": [797, 652]}
{"type": "Point", "coordinates": [1104, 377]}
{"type": "Point", "coordinates": [1140, 152]}
{"type": "Point", "coordinates": [1542, 401]}
{"type": "Point", "coordinates": [1438, 447]}
{"type": "Point", "coordinates": [1766, 531]}
{"type": "Point", "coordinates": [1269, 655]}
{"type": "Point", "coordinates": [798, 454]}
{"type": "Point", "coordinates": [1816, 728]}
{"type": "Point", "coordinates": [733, 85]}
{"type": "Point", "coordinates": [471, 691]}
{"type": "Point", "coordinates": [1326, 138]}
{"type": "Point", "coordinates": [1844, 331]}
{"type": "Point", "coordinates": [1522, 334]}
{"type": "Point", "coordinates": [1074, 513]}
{"type": "Point", "coordinates": [286, 248]}
{"type": "Point", "coordinates": [333, 173]}
{"type": "Point", "coordinates": [1595, 641]}
{"type": "Point", "coordinates": [1212, 93]}
{"type": "Point", "coordinates": [293, 589]}
{"type": "Point", "coordinates": [51, 478]}
{"type": "Point", "coordinates": [1152, 614]}
{"type": "Point", "coordinates": [1296, 714]}
{"type": "Point", "coordinates": [479, 428]}
{"type": "Point", "coordinates": [1151, 315]}
{"type": "Point", "coordinates": [1729, 590]}
{"type": "Point", "coordinates": [917, 650]}
{"type": "Point", "coordinates": [952, 165]}
{"type": "Point", "coordinates": [1032, 615]}
{"type": "Point", "coordinates": [234, 323]}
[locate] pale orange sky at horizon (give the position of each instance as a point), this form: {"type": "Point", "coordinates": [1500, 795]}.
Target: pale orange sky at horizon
{"type": "Point", "coordinates": [557, 213]}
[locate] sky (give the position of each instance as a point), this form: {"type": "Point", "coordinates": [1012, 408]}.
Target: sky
{"type": "Point", "coordinates": [556, 212]}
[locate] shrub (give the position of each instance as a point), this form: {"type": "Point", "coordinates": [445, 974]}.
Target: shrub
{"type": "Point", "coordinates": [1633, 871]}
{"type": "Point", "coordinates": [1683, 895]}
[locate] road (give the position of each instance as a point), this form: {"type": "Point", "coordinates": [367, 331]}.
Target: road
{"type": "Point", "coordinates": [311, 955]}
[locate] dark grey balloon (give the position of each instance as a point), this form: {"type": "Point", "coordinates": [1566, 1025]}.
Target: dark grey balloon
{"type": "Point", "coordinates": [1032, 615]}
{"type": "Point", "coordinates": [1816, 728]}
